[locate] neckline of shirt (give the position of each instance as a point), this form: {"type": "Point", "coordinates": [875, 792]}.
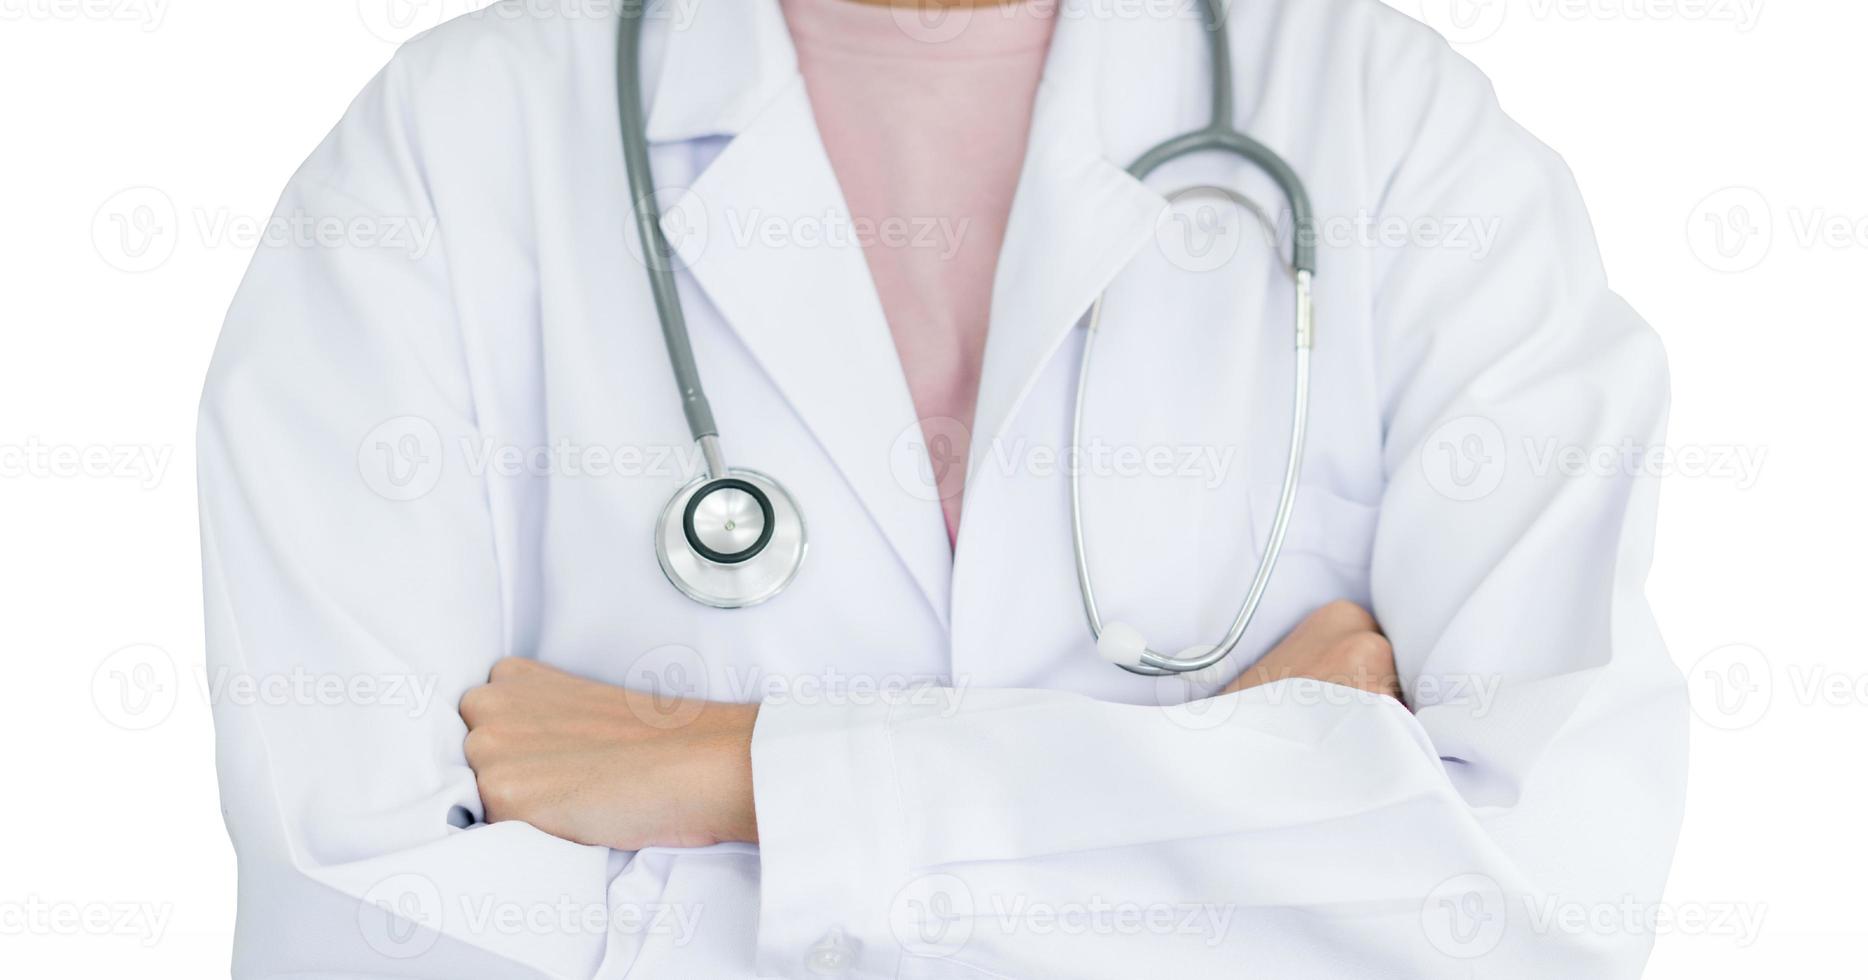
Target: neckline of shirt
{"type": "Point", "coordinates": [912, 33]}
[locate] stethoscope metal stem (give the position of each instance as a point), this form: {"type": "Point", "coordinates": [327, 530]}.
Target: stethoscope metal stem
{"type": "Point", "coordinates": [713, 457]}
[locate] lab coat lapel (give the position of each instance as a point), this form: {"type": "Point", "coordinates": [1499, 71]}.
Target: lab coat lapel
{"type": "Point", "coordinates": [765, 232]}
{"type": "Point", "coordinates": [1076, 221]}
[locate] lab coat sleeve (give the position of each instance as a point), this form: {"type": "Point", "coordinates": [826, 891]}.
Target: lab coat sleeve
{"type": "Point", "coordinates": [353, 595]}
{"type": "Point", "coordinates": [1520, 823]}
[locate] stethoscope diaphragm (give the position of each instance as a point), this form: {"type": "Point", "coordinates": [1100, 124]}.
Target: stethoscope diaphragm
{"type": "Point", "coordinates": [731, 541]}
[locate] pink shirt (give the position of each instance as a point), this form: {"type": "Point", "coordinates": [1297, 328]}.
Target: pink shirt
{"type": "Point", "coordinates": [925, 119]}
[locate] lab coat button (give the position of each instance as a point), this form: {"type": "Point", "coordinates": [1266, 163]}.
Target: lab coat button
{"type": "Point", "coordinates": [832, 956]}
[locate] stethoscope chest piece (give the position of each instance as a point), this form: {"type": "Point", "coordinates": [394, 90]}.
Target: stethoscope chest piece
{"type": "Point", "coordinates": [731, 541]}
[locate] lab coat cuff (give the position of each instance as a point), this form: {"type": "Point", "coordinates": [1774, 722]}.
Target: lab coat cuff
{"type": "Point", "coordinates": [829, 837]}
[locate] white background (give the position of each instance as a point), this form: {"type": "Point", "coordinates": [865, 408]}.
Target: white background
{"type": "Point", "coordinates": [1720, 144]}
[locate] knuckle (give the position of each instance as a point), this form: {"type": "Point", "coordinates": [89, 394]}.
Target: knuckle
{"type": "Point", "coordinates": [479, 704]}
{"type": "Point", "coordinates": [1361, 658]}
{"type": "Point", "coordinates": [1367, 649]}
{"type": "Point", "coordinates": [499, 794]}
{"type": "Point", "coordinates": [1343, 614]}
{"type": "Point", "coordinates": [509, 668]}
{"type": "Point", "coordinates": [480, 746]}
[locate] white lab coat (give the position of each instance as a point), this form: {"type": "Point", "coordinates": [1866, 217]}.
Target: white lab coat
{"type": "Point", "coordinates": [1046, 815]}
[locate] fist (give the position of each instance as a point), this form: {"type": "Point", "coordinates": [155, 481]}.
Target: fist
{"type": "Point", "coordinates": [597, 764]}
{"type": "Point", "coordinates": [1339, 644]}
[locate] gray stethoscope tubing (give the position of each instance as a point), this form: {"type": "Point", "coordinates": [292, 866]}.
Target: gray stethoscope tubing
{"type": "Point", "coordinates": [655, 251]}
{"type": "Point", "coordinates": [1136, 656]}
{"type": "Point", "coordinates": [733, 537]}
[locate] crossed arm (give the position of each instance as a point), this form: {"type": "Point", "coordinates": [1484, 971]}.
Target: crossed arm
{"type": "Point", "coordinates": [592, 763]}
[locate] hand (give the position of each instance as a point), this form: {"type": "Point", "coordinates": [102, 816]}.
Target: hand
{"type": "Point", "coordinates": [1338, 643]}
{"type": "Point", "coordinates": [597, 764]}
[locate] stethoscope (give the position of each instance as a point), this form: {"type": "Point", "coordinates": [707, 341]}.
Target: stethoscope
{"type": "Point", "coordinates": [734, 537]}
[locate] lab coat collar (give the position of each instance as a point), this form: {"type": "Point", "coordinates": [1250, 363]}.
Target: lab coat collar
{"type": "Point", "coordinates": [1076, 220]}
{"type": "Point", "coordinates": [722, 64]}
{"type": "Point", "coordinates": [810, 313]}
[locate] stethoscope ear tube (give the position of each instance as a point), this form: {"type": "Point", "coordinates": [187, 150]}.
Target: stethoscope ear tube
{"type": "Point", "coordinates": [1126, 647]}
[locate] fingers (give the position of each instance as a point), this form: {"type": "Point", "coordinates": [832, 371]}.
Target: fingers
{"type": "Point", "coordinates": [481, 704]}
{"type": "Point", "coordinates": [486, 701]}
{"type": "Point", "coordinates": [517, 685]}
{"type": "Point", "coordinates": [1339, 643]}
{"type": "Point", "coordinates": [1365, 660]}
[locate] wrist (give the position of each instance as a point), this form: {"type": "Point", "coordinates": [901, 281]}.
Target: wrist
{"type": "Point", "coordinates": [731, 751]}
